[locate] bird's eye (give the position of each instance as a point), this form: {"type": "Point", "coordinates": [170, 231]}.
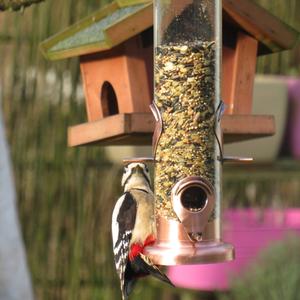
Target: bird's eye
{"type": "Point", "coordinates": [125, 170]}
{"type": "Point", "coordinates": [146, 168]}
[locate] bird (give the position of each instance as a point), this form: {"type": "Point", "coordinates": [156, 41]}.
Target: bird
{"type": "Point", "coordinates": [133, 229]}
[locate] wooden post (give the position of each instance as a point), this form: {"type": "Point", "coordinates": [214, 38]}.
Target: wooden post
{"type": "Point", "coordinates": [239, 66]}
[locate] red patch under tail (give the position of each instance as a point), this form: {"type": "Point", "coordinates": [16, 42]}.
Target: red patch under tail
{"type": "Point", "coordinates": [136, 249]}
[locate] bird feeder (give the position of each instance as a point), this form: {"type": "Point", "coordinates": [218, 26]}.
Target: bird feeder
{"type": "Point", "coordinates": [187, 143]}
{"type": "Point", "coordinates": [115, 48]}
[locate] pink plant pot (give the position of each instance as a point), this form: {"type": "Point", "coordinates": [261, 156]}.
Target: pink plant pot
{"type": "Point", "coordinates": [250, 231]}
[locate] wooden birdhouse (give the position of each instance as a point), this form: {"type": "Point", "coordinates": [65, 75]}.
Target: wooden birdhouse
{"type": "Point", "coordinates": [115, 47]}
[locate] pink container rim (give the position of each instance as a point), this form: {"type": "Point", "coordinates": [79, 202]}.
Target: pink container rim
{"type": "Point", "coordinates": [250, 230]}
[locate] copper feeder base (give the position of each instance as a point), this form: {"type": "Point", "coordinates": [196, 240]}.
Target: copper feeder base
{"type": "Point", "coordinates": [173, 247]}
{"type": "Point", "coordinates": [187, 253]}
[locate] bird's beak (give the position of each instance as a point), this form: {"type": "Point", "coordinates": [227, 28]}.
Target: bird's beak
{"type": "Point", "coordinates": [137, 169]}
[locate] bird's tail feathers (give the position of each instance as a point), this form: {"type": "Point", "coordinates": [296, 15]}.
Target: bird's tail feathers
{"type": "Point", "coordinates": [129, 285]}
{"type": "Point", "coordinates": [153, 270]}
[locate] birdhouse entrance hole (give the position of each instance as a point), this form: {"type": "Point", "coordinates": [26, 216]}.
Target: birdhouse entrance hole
{"type": "Point", "coordinates": [108, 99]}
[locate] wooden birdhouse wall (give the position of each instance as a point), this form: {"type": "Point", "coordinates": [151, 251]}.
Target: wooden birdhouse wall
{"type": "Point", "coordinates": [121, 80]}
{"type": "Point", "coordinates": [118, 80]}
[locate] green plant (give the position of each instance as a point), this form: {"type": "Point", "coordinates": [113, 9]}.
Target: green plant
{"type": "Point", "coordinates": [274, 276]}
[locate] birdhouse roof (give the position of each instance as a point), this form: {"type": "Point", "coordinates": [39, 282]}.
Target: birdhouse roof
{"type": "Point", "coordinates": [122, 19]}
{"type": "Point", "coordinates": [104, 29]}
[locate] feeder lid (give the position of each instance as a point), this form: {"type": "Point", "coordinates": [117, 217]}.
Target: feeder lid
{"type": "Point", "coordinates": [122, 19]}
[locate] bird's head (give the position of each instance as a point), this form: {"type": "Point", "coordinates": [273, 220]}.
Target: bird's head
{"type": "Point", "coordinates": [136, 175]}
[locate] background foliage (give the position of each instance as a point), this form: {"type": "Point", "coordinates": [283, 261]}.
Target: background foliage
{"type": "Point", "coordinates": [16, 4]}
{"type": "Point", "coordinates": [286, 62]}
{"type": "Point", "coordinates": [65, 195]}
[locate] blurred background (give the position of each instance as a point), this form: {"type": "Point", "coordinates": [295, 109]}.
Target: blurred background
{"type": "Point", "coordinates": [65, 195]}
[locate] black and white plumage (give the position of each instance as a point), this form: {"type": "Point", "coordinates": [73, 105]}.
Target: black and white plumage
{"type": "Point", "coordinates": [133, 228]}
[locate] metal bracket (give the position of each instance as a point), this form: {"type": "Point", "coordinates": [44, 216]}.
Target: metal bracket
{"type": "Point", "coordinates": [235, 159]}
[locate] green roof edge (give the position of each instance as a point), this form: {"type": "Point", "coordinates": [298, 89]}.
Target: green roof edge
{"type": "Point", "coordinates": [69, 31]}
{"type": "Point", "coordinates": [124, 3]}
{"type": "Point", "coordinates": [105, 11]}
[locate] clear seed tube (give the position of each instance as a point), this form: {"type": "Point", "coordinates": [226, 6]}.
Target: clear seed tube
{"type": "Point", "coordinates": [187, 95]}
{"type": "Point", "coordinates": [187, 141]}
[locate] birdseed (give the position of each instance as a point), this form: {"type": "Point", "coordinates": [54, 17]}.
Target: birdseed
{"type": "Point", "coordinates": [185, 97]}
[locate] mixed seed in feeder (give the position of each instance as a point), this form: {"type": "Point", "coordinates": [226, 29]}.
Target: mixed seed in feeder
{"type": "Point", "coordinates": [184, 95]}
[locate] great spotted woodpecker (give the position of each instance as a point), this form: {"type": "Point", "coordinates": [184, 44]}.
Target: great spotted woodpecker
{"type": "Point", "coordinates": [133, 228]}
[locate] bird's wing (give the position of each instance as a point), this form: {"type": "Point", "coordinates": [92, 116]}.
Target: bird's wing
{"type": "Point", "coordinates": [123, 221]}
